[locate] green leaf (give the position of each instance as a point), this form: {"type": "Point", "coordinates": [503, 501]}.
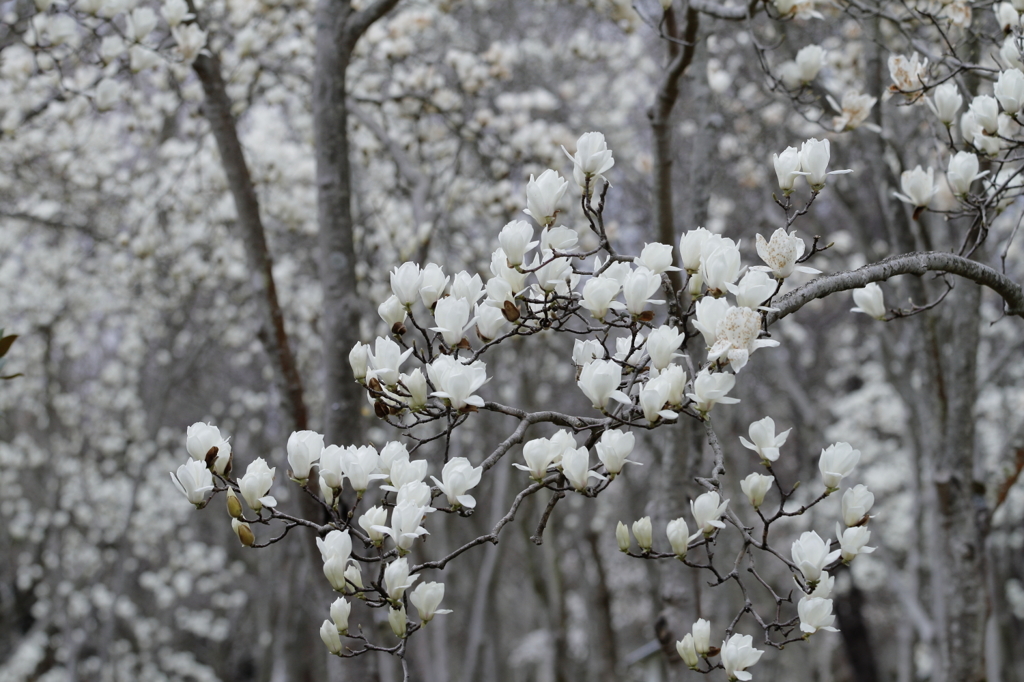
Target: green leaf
{"type": "Point", "coordinates": [5, 344]}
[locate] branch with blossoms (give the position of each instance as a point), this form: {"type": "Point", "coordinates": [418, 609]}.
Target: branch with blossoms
{"type": "Point", "coordinates": [637, 371]}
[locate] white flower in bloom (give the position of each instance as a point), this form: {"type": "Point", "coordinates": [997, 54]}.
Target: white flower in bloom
{"type": "Point", "coordinates": [643, 531]}
{"type": "Point", "coordinates": [613, 449]}
{"type": "Point", "coordinates": [654, 396]}
{"type": "Point", "coordinates": [353, 579]}
{"type": "Point", "coordinates": [738, 654]}
{"type": "Point", "coordinates": [810, 59]}
{"type": "Point", "coordinates": [585, 351]}
{"type": "Point", "coordinates": [358, 359]}
{"type": "Point", "coordinates": [397, 578]}
{"type": "Point", "coordinates": [702, 636]}
{"type": "Point", "coordinates": [678, 536]}
{"type": "Point", "coordinates": [710, 389]}
{"type": "Point", "coordinates": [690, 245]}
{"type": "Point", "coordinates": [393, 313]}
{"type": "Point", "coordinates": [458, 382]}
{"type": "Point", "coordinates": [417, 493]}
{"type": "Point", "coordinates": [576, 467]}
{"type": "Point", "coordinates": [811, 555]}
{"type": "Point", "coordinates": [869, 301]}
{"type": "Point", "coordinates": [452, 317]}
{"type": "Point", "coordinates": [755, 486]}
{"type": "Point", "coordinates": [787, 169]}
{"type": "Point", "coordinates": [405, 471]}
{"type": "Point", "coordinates": [1007, 16]}
{"type": "Point", "coordinates": [675, 378]}
{"type": "Point", "coordinates": [175, 12]}
{"type": "Point", "coordinates": [721, 266]}
{"type": "Point", "coordinates": [657, 258]}
{"type": "Point", "coordinates": [514, 240]}
{"type": "Point", "coordinates": [823, 590]}
{"type": "Point", "coordinates": [469, 288]}
{"type": "Point", "coordinates": [554, 272]}
{"type": "Point", "coordinates": [140, 23]}
{"type": "Point", "coordinates": [416, 386]}
{"type": "Point", "coordinates": [406, 517]}
{"type": "Point", "coordinates": [191, 40]}
{"type": "Point", "coordinates": [599, 296]}
{"type": "Point", "coordinates": [1009, 90]}
{"type": "Point", "coordinates": [340, 611]}
{"type": "Point", "coordinates": [386, 360]}
{"type": "Point", "coordinates": [490, 321]}
{"type": "Point", "coordinates": [335, 550]}
{"type": "Point", "coordinates": [434, 283]}
{"type": "Point", "coordinates": [855, 109]}
{"type": "Point", "coordinates": [304, 448]}
{"type": "Point", "coordinates": [193, 480]}
{"type": "Point", "coordinates": [622, 537]}
{"type": "Point", "coordinates": [963, 170]}
{"type": "Point", "coordinates": [500, 269]}
{"type": "Point", "coordinates": [707, 513]}
{"type": "Point", "coordinates": [599, 381]}
{"type": "Point", "coordinates": [1010, 53]}
{"type": "Point", "coordinates": [736, 337]}
{"type": "Point", "coordinates": [815, 614]}
{"type": "Point", "coordinates": [592, 159]}
{"type": "Point", "coordinates": [629, 349]}
{"type": "Point", "coordinates": [426, 598]}
{"type": "Point", "coordinates": [560, 239]}
{"type": "Point", "coordinates": [331, 473]}
{"type": "Point", "coordinates": [945, 102]}
{"type": "Point", "coordinates": [908, 74]}
{"type": "Point", "coordinates": [329, 634]}
{"type": "Point", "coordinates": [662, 344]}
{"type": "Point", "coordinates": [638, 288]}
{"type": "Point", "coordinates": [852, 541]}
{"type": "Point", "coordinates": [814, 158]}
{"type": "Point", "coordinates": [393, 451]}
{"type": "Point", "coordinates": [371, 518]}
{"type": "Point", "coordinates": [857, 502]}
{"type": "Point", "coordinates": [918, 187]}
{"type": "Point", "coordinates": [756, 287]}
{"type": "Point", "coordinates": [457, 477]}
{"type": "Point", "coordinates": [540, 454]}
{"type": "Point", "coordinates": [687, 652]}
{"type": "Point", "coordinates": [543, 195]}
{"type": "Point", "coordinates": [763, 440]}
{"type": "Point", "coordinates": [200, 439]}
{"type": "Point", "coordinates": [359, 465]}
{"type": "Point", "coordinates": [781, 254]}
{"type": "Point", "coordinates": [255, 485]}
{"type": "Point", "coordinates": [986, 113]}
{"type": "Point", "coordinates": [836, 462]}
{"type": "Point", "coordinates": [406, 280]}
{"type": "Point", "coordinates": [710, 311]}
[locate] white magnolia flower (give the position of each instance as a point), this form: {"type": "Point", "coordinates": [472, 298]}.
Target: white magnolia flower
{"type": "Point", "coordinates": [393, 313]}
{"type": "Point", "coordinates": [755, 486]}
{"type": "Point", "coordinates": [304, 449]}
{"type": "Point", "coordinates": [763, 440]}
{"type": "Point", "coordinates": [643, 531]}
{"type": "Point", "coordinates": [255, 485]}
{"type": "Point", "coordinates": [781, 254]}
{"type": "Point", "coordinates": [638, 288]}
{"type": "Point", "coordinates": [560, 239]}
{"type": "Point", "coordinates": [687, 652]}
{"type": "Point", "coordinates": [756, 287]}
{"type": "Point", "coordinates": [720, 266]}
{"type": "Point", "coordinates": [857, 502]}
{"type": "Point", "coordinates": [675, 377]}
{"type": "Point", "coordinates": [200, 441]}
{"type": "Point", "coordinates": [340, 611]}
{"type": "Point", "coordinates": [787, 169]}
{"type": "Point", "coordinates": [963, 170]}
{"type": "Point", "coordinates": [386, 360]}
{"type": "Point", "coordinates": [191, 40]}
{"type": "Point", "coordinates": [406, 517]}
{"type": "Point", "coordinates": [585, 351]}
{"type": "Point", "coordinates": [406, 280]}
{"type": "Point", "coordinates": [736, 337]}
{"type": "Point", "coordinates": [985, 109]}
{"type": "Point", "coordinates": [599, 380]}
{"type": "Point", "coordinates": [702, 636]}
{"type": "Point", "coordinates": [515, 240]}
{"type": "Point", "coordinates": [457, 477]}
{"type": "Point", "coordinates": [810, 59]}
{"type": "Point", "coordinates": [690, 245]}
{"type": "Point", "coordinates": [946, 102]}
{"type": "Point", "coordinates": [657, 258]}
{"type": "Point", "coordinates": [592, 159]}
{"type": "Point", "coordinates": [918, 187]}
{"type": "Point", "coordinates": [426, 598]}
{"type": "Point", "coordinates": [710, 311]}
{"type": "Point", "coordinates": [543, 195]}
{"type": "Point", "coordinates": [398, 621]}
{"type": "Point", "coordinates": [815, 614]}
{"type": "Point", "coordinates": [662, 344]}
{"type": "Point", "coordinates": [193, 480]}
{"type": "Point", "coordinates": [814, 158]}
{"type": "Point", "coordinates": [331, 638]}
{"type": "Point", "coordinates": [654, 395]}
{"type": "Point", "coordinates": [360, 466]}
{"type": "Point", "coordinates": [174, 11]}
{"type": "Point", "coordinates": [358, 360]}
{"type": "Point", "coordinates": [540, 455]}
{"type": "Point", "coordinates": [707, 513]}
{"type": "Point", "coordinates": [622, 537]}
{"type": "Point", "coordinates": [710, 389]}
{"type": "Point", "coordinates": [599, 296]}
{"type": "Point", "coordinates": [576, 468]}
{"type": "Point", "coordinates": [415, 384]}
{"type": "Point", "coordinates": [852, 541]}
{"type": "Point", "coordinates": [836, 462]}
{"type": "Point", "coordinates": [854, 110]}
{"type": "Point", "coordinates": [490, 321]}
{"type": "Point", "coordinates": [811, 555]}
{"type": "Point", "coordinates": [372, 518]}
{"type": "Point", "coordinates": [452, 317]}
{"type": "Point", "coordinates": [1009, 52]}
{"type": "Point", "coordinates": [468, 287]}
{"type": "Point", "coordinates": [404, 471]}
{"type": "Point", "coordinates": [678, 536]}
{"type": "Point", "coordinates": [417, 493]}
{"type": "Point", "coordinates": [613, 449]}
{"type": "Point", "coordinates": [555, 273]}
{"type": "Point", "coordinates": [1009, 90]}
{"type": "Point", "coordinates": [458, 382]}
{"type": "Point", "coordinates": [823, 590]}
{"type": "Point", "coordinates": [499, 268]}
{"type": "Point", "coordinates": [869, 301]}
{"type": "Point", "coordinates": [335, 550]}
{"type": "Point", "coordinates": [908, 75]}
{"type": "Point", "coordinates": [630, 349]}
{"type": "Point", "coordinates": [434, 284]}
{"type": "Point", "coordinates": [397, 578]}
{"type": "Point", "coordinates": [738, 654]}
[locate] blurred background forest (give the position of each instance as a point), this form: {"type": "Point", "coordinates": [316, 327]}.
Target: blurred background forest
{"type": "Point", "coordinates": [125, 272]}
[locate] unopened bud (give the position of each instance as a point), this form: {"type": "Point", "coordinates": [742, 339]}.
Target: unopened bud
{"type": "Point", "coordinates": [244, 532]}
{"type": "Point", "coordinates": [234, 505]}
{"type": "Point", "coordinates": [622, 537]}
{"type": "Point", "coordinates": [510, 310]}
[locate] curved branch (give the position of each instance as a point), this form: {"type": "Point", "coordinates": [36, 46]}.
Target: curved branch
{"type": "Point", "coordinates": [907, 264]}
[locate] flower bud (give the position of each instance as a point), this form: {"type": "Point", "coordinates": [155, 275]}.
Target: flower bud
{"type": "Point", "coordinates": [755, 486]}
{"type": "Point", "coordinates": [340, 611]}
{"type": "Point", "coordinates": [244, 532]}
{"type": "Point", "coordinates": [234, 505]}
{"type": "Point", "coordinates": [622, 537]}
{"type": "Point", "coordinates": [702, 636]}
{"type": "Point", "coordinates": [329, 634]}
{"type": "Point", "coordinates": [687, 652]}
{"type": "Point", "coordinates": [644, 533]}
{"type": "Point", "coordinates": [678, 536]}
{"type": "Point", "coordinates": [396, 618]}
